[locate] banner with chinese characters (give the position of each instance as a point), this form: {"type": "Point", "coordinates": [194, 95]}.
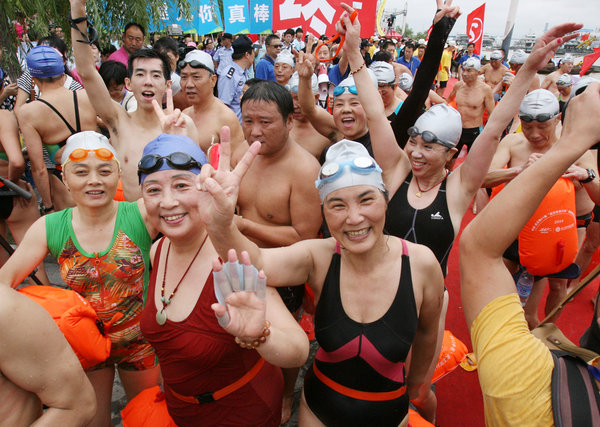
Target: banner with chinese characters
{"type": "Point", "coordinates": [236, 17]}
{"type": "Point", "coordinates": [261, 16]}
{"type": "Point", "coordinates": [204, 17]}
{"type": "Point", "coordinates": [319, 16]}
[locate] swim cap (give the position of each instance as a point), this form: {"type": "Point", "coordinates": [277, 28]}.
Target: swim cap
{"type": "Point", "coordinates": [285, 58]}
{"type": "Point", "coordinates": [564, 80]}
{"type": "Point", "coordinates": [384, 72]}
{"type": "Point", "coordinates": [294, 81]}
{"type": "Point", "coordinates": [45, 61]}
{"type": "Point", "coordinates": [444, 122]}
{"type": "Point", "coordinates": [497, 54]}
{"type": "Point", "coordinates": [405, 81]}
{"type": "Point", "coordinates": [349, 81]}
{"type": "Point", "coordinates": [166, 144]}
{"type": "Point", "coordinates": [201, 59]}
{"type": "Point", "coordinates": [348, 151]}
{"type": "Point", "coordinates": [567, 58]}
{"type": "Point", "coordinates": [473, 63]}
{"type": "Point", "coordinates": [87, 140]}
{"type": "Point", "coordinates": [518, 57]}
{"type": "Point", "coordinates": [539, 101]}
{"type": "Point", "coordinates": [323, 78]}
{"type": "Point", "coordinates": [581, 85]}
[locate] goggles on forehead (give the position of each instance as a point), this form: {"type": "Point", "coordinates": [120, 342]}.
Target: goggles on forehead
{"type": "Point", "coordinates": [544, 117]}
{"type": "Point", "coordinates": [153, 162]}
{"type": "Point", "coordinates": [341, 89]}
{"type": "Point", "coordinates": [194, 64]}
{"type": "Point", "coordinates": [80, 154]}
{"type": "Point", "coordinates": [427, 136]}
{"type": "Point", "coordinates": [361, 165]}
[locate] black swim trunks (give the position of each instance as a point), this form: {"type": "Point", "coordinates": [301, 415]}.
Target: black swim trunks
{"type": "Point", "coordinates": [468, 137]}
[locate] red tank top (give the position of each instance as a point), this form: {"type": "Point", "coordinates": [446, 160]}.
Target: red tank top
{"type": "Point", "coordinates": [198, 356]}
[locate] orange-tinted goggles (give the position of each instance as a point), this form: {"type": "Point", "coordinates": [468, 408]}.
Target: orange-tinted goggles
{"type": "Point", "coordinates": [80, 154]}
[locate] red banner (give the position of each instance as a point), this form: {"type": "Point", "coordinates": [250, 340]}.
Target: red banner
{"type": "Point", "coordinates": [318, 17]}
{"type": "Point", "coordinates": [589, 60]}
{"type": "Point", "coordinates": [475, 27]}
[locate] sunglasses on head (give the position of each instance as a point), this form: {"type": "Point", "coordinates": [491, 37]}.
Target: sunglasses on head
{"type": "Point", "coordinates": [427, 136]}
{"type": "Point", "coordinates": [153, 162]}
{"type": "Point", "coordinates": [80, 154]}
{"type": "Point", "coordinates": [341, 89]}
{"type": "Point", "coordinates": [544, 117]}
{"type": "Point", "coordinates": [362, 165]}
{"type": "Point", "coordinates": [193, 64]}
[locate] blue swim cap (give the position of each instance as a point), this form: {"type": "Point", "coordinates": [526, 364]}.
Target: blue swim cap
{"type": "Point", "coordinates": [45, 61]}
{"type": "Point", "coordinates": [167, 144]}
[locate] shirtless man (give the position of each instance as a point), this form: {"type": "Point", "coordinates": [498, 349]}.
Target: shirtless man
{"type": "Point", "coordinates": [302, 131]}
{"type": "Point", "coordinates": [278, 202]}
{"type": "Point", "coordinates": [539, 113]}
{"type": "Point", "coordinates": [517, 60]}
{"type": "Point", "coordinates": [565, 66]}
{"type": "Point", "coordinates": [148, 79]}
{"type": "Point", "coordinates": [494, 71]}
{"type": "Point", "coordinates": [209, 113]}
{"type": "Point", "coordinates": [50, 120]}
{"type": "Point", "coordinates": [385, 55]}
{"type": "Point", "coordinates": [37, 366]}
{"type": "Point", "coordinates": [473, 97]}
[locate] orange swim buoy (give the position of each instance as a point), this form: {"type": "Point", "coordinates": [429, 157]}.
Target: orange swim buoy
{"type": "Point", "coordinates": [119, 195]}
{"type": "Point", "coordinates": [147, 409]}
{"type": "Point", "coordinates": [453, 352]}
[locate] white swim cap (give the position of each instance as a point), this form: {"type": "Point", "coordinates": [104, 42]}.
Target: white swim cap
{"type": "Point", "coordinates": [567, 58]}
{"type": "Point", "coordinates": [564, 81]}
{"type": "Point", "coordinates": [472, 62]}
{"type": "Point", "coordinates": [384, 72]}
{"type": "Point", "coordinates": [497, 54]}
{"type": "Point", "coordinates": [87, 140]}
{"type": "Point", "coordinates": [518, 57]}
{"type": "Point", "coordinates": [349, 82]}
{"type": "Point", "coordinates": [405, 81]}
{"type": "Point", "coordinates": [292, 84]}
{"type": "Point", "coordinates": [199, 59]}
{"type": "Point", "coordinates": [285, 57]}
{"type": "Point", "coordinates": [539, 101]}
{"type": "Point", "coordinates": [581, 85]}
{"type": "Point", "coordinates": [347, 164]}
{"type": "Point", "coordinates": [444, 122]}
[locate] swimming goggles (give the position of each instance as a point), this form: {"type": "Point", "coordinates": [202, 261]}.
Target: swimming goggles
{"type": "Point", "coordinates": [544, 117]}
{"type": "Point", "coordinates": [361, 165]}
{"type": "Point", "coordinates": [80, 154]}
{"type": "Point", "coordinates": [341, 89]}
{"type": "Point", "coordinates": [178, 160]}
{"type": "Point", "coordinates": [428, 137]}
{"type": "Point", "coordinates": [194, 64]}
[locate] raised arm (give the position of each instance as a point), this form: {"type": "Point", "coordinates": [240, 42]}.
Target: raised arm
{"type": "Point", "coordinates": [96, 90]}
{"type": "Point", "coordinates": [321, 120]}
{"type": "Point", "coordinates": [477, 163]}
{"type": "Point", "coordinates": [483, 274]}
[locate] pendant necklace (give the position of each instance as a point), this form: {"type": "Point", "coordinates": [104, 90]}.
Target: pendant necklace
{"type": "Point", "coordinates": [421, 191]}
{"type": "Point", "coordinates": [161, 316]}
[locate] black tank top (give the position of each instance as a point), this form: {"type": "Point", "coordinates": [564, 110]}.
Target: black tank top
{"type": "Point", "coordinates": [430, 226]}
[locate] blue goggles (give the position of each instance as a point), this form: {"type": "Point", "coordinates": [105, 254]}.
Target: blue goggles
{"type": "Point", "coordinates": [332, 170]}
{"type": "Point", "coordinates": [428, 137]}
{"type": "Point", "coordinates": [544, 117]}
{"type": "Point", "coordinates": [341, 89]}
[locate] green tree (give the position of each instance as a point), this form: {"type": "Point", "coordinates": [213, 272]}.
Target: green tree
{"type": "Point", "coordinates": [409, 33]}
{"type": "Point", "coordinates": [108, 16]}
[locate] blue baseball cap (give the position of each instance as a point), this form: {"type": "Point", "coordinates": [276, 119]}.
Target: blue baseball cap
{"type": "Point", "coordinates": [45, 61]}
{"type": "Point", "coordinates": [164, 146]}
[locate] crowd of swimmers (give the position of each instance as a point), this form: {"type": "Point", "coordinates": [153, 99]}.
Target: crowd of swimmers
{"type": "Point", "coordinates": [200, 211]}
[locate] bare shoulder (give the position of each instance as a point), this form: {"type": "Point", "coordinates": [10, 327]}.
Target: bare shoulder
{"type": "Point", "coordinates": [188, 111]}
{"type": "Point", "coordinates": [421, 256]}
{"type": "Point", "coordinates": [303, 161]}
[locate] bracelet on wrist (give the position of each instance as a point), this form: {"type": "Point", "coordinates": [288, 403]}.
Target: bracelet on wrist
{"type": "Point", "coordinates": [251, 345]}
{"type": "Point", "coordinates": [358, 69]}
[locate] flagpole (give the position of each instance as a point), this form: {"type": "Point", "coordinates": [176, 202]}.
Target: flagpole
{"type": "Point", "coordinates": [510, 25]}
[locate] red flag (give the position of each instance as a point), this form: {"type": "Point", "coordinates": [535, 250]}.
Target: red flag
{"type": "Point", "coordinates": [428, 33]}
{"type": "Point", "coordinates": [475, 27]}
{"type": "Point", "coordinates": [585, 37]}
{"type": "Point", "coordinates": [589, 60]}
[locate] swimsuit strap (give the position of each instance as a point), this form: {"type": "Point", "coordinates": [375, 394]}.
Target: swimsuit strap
{"type": "Point", "coordinates": [76, 104]}
{"type": "Point", "coordinates": [60, 115]}
{"type": "Point", "coordinates": [338, 247]}
{"type": "Point", "coordinates": [404, 247]}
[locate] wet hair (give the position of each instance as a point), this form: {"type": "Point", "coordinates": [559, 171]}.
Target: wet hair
{"type": "Point", "coordinates": [145, 53]}
{"type": "Point", "coordinates": [134, 24]}
{"type": "Point", "coordinates": [382, 55]}
{"type": "Point", "coordinates": [269, 91]}
{"type": "Point", "coordinates": [113, 71]}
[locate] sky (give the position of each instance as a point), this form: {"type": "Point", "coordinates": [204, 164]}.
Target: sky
{"type": "Point", "coordinates": [532, 15]}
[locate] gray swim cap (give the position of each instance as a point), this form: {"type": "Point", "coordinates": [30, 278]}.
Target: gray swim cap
{"type": "Point", "coordinates": [294, 81]}
{"type": "Point", "coordinates": [444, 122]}
{"type": "Point", "coordinates": [384, 72]}
{"type": "Point", "coordinates": [405, 81]}
{"type": "Point", "coordinates": [567, 58]}
{"type": "Point", "coordinates": [539, 101]}
{"type": "Point", "coordinates": [347, 164]}
{"type": "Point", "coordinates": [564, 81]}
{"type": "Point", "coordinates": [581, 85]}
{"type": "Point", "coordinates": [497, 54]}
{"type": "Point", "coordinates": [518, 57]}
{"type": "Point", "coordinates": [472, 62]}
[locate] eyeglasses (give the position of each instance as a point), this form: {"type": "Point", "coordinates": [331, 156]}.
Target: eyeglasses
{"type": "Point", "coordinates": [276, 46]}
{"type": "Point", "coordinates": [341, 89]}
{"type": "Point", "coordinates": [80, 154]}
{"type": "Point", "coordinates": [194, 64]}
{"type": "Point", "coordinates": [428, 137]}
{"type": "Point", "coordinates": [361, 165]}
{"type": "Point", "coordinates": [178, 160]}
{"type": "Point", "coordinates": [544, 117]}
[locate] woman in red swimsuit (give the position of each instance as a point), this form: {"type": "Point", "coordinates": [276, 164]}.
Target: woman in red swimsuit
{"type": "Point", "coordinates": [208, 378]}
